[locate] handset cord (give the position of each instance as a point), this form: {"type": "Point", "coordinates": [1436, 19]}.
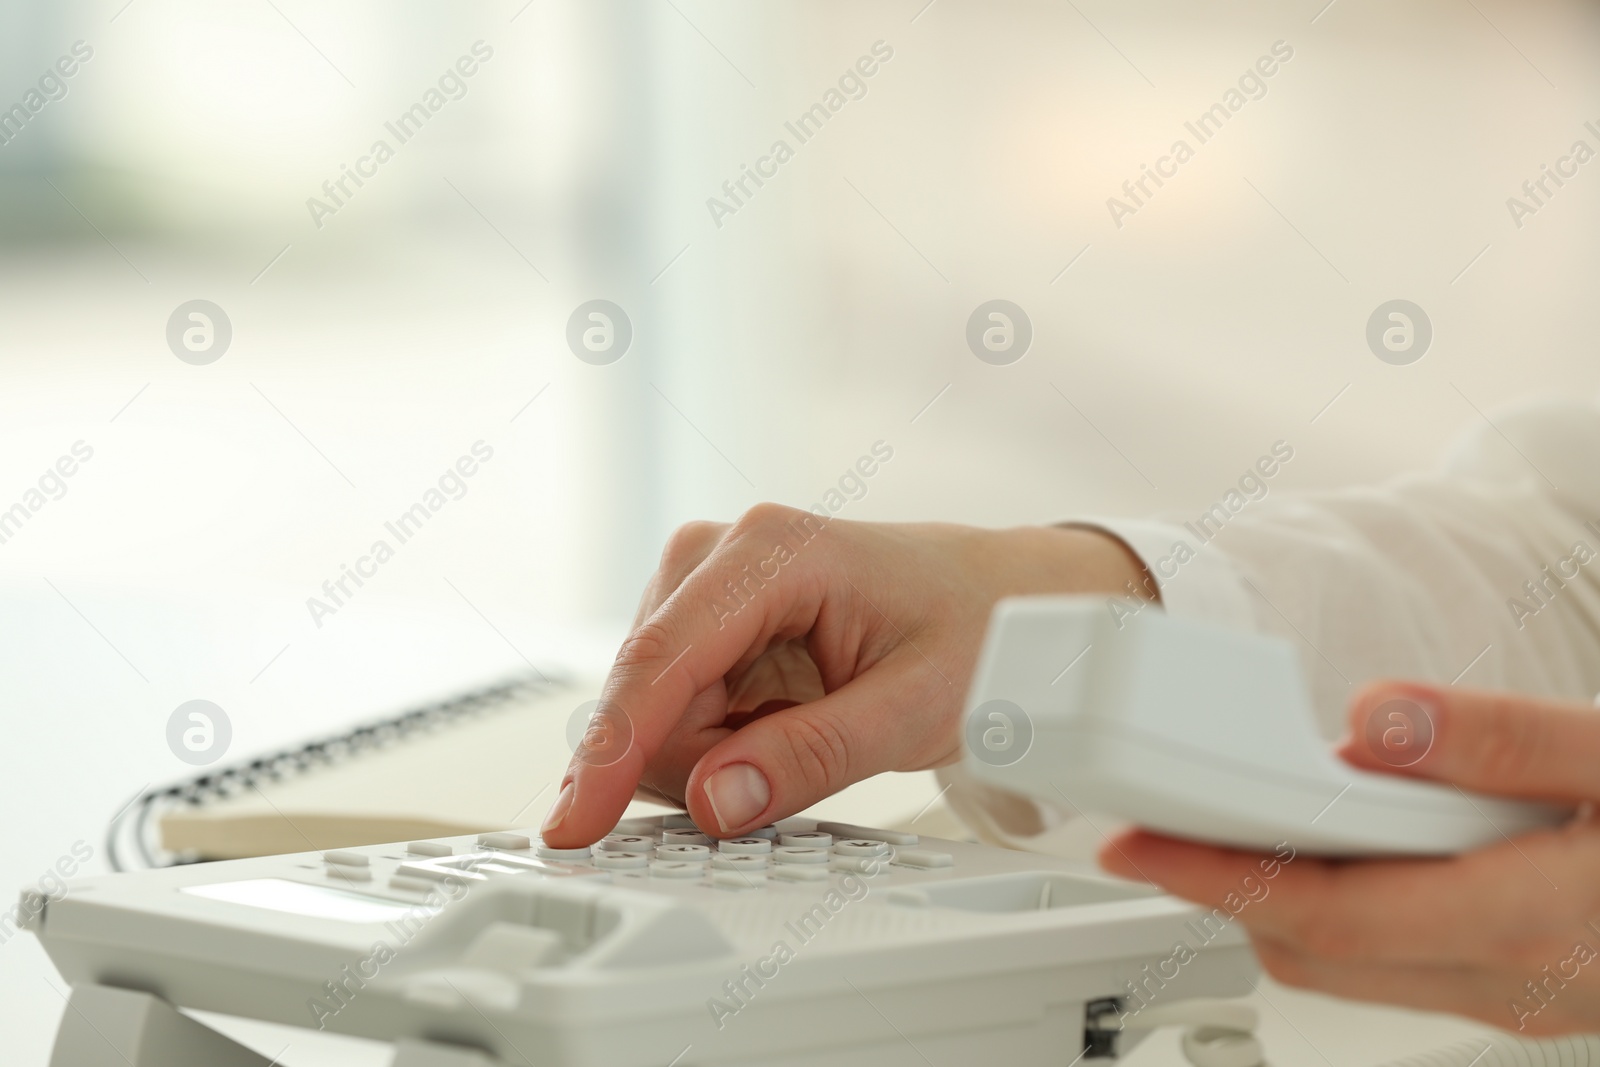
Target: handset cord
{"type": "Point", "coordinates": [1221, 1033]}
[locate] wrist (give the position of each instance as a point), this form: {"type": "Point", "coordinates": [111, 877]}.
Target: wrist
{"type": "Point", "coordinates": [1071, 559]}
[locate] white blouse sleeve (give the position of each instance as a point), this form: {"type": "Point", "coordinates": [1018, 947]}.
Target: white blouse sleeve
{"type": "Point", "coordinates": [1485, 573]}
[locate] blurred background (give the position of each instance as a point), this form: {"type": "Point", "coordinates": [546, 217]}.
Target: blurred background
{"type": "Point", "coordinates": [377, 337]}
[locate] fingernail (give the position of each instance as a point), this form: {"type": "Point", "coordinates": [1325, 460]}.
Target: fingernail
{"type": "Point", "coordinates": [738, 793]}
{"type": "Point", "coordinates": [558, 810]}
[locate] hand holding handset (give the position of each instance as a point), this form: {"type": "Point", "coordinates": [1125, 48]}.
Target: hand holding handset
{"type": "Point", "coordinates": [1197, 731]}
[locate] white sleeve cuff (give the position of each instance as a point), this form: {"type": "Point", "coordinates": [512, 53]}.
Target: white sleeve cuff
{"type": "Point", "coordinates": [1196, 579]}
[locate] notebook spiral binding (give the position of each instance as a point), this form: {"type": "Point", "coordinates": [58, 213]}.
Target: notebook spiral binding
{"type": "Point", "coordinates": [132, 828]}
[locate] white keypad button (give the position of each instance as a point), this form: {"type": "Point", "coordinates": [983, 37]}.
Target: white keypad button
{"type": "Point", "coordinates": [868, 865]}
{"type": "Point", "coordinates": [677, 821]}
{"type": "Point", "coordinates": [622, 861]}
{"type": "Point", "coordinates": [423, 871]}
{"type": "Point", "coordinates": [768, 832]}
{"type": "Point", "coordinates": [684, 837]}
{"type": "Point", "coordinates": [349, 874]}
{"type": "Point", "coordinates": [793, 854]}
{"type": "Point", "coordinates": [860, 848]}
{"type": "Point", "coordinates": [745, 846]}
{"type": "Point", "coordinates": [346, 859]}
{"type": "Point", "coordinates": [813, 839]}
{"type": "Point", "coordinates": [507, 841]}
{"type": "Point", "coordinates": [580, 854]}
{"type": "Point", "coordinates": [626, 843]}
{"type": "Point", "coordinates": [430, 848]}
{"type": "Point", "coordinates": [723, 861]}
{"type": "Point", "coordinates": [914, 857]}
{"type": "Point", "coordinates": [684, 853]}
{"type": "Point", "coordinates": [801, 872]}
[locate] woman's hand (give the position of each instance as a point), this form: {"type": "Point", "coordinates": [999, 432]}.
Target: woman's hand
{"type": "Point", "coordinates": [777, 660]}
{"type": "Point", "coordinates": [1509, 934]}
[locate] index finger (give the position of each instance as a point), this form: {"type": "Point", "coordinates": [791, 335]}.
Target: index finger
{"type": "Point", "coordinates": [721, 615]}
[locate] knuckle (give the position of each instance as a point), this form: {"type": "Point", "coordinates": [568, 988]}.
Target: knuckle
{"type": "Point", "coordinates": [821, 753]}
{"type": "Point", "coordinates": [648, 644]}
{"type": "Point", "coordinates": [762, 517]}
{"type": "Point", "coordinates": [689, 541]}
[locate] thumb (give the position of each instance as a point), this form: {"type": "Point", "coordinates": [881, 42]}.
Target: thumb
{"type": "Point", "coordinates": [788, 760]}
{"type": "Point", "coordinates": [1504, 744]}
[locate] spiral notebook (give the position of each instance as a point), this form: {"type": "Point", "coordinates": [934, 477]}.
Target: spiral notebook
{"type": "Point", "coordinates": [488, 759]}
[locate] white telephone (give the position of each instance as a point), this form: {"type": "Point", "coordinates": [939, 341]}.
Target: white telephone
{"type": "Point", "coordinates": [803, 944]}
{"type": "Point", "coordinates": [1196, 731]}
